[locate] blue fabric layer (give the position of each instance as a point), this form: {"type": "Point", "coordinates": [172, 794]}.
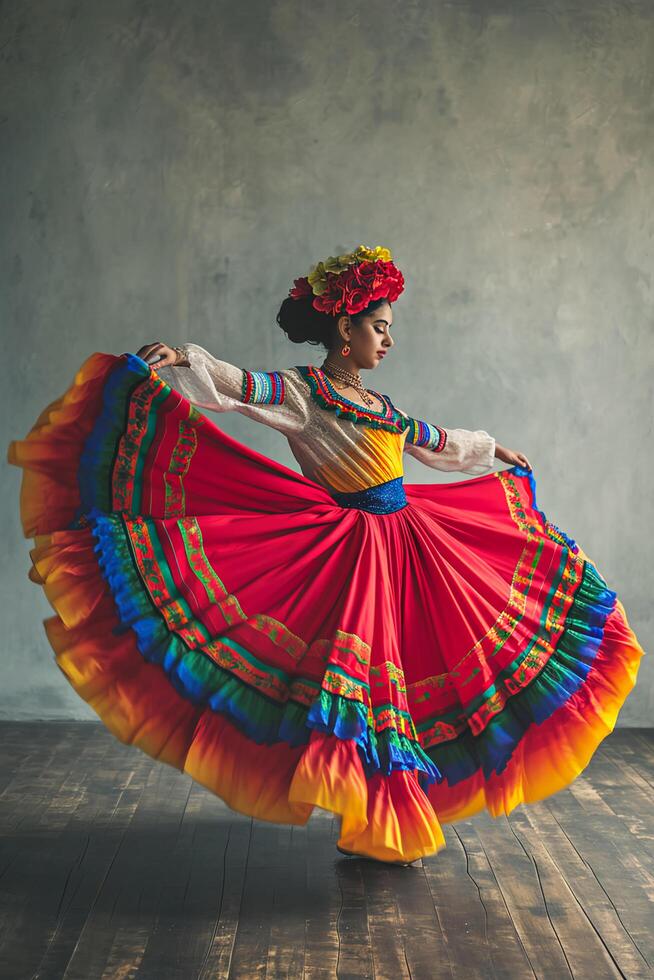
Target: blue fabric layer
{"type": "Point", "coordinates": [384, 498]}
{"type": "Point", "coordinates": [563, 675]}
{"type": "Point", "coordinates": [196, 677]}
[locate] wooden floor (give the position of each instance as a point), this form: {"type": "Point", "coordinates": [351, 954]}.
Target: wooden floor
{"type": "Point", "coordinates": [114, 866]}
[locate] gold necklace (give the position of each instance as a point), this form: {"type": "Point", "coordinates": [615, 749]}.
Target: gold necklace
{"type": "Point", "coordinates": [348, 378]}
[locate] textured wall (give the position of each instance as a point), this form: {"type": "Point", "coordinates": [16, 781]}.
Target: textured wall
{"type": "Point", "coordinates": [169, 168]}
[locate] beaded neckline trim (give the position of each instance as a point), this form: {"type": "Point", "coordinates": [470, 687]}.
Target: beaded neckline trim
{"type": "Point", "coordinates": [323, 392]}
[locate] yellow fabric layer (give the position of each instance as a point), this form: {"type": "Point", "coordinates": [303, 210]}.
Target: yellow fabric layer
{"type": "Point", "coordinates": [377, 454]}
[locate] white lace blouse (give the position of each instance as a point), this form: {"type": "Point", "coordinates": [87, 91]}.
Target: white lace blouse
{"type": "Point", "coordinates": [339, 444]}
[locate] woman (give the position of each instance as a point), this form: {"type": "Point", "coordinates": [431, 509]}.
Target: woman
{"type": "Point", "coordinates": [403, 655]}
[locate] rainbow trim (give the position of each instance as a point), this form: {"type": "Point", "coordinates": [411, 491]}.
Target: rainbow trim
{"type": "Point", "coordinates": [323, 392]}
{"type": "Point", "coordinates": [274, 741]}
{"type": "Point", "coordinates": [263, 388]}
{"type": "Point", "coordinates": [266, 703]}
{"type": "Point", "coordinates": [427, 435]}
{"type": "Point", "coordinates": [527, 692]}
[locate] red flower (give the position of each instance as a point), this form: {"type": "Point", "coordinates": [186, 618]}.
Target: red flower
{"type": "Point", "coordinates": [357, 299]}
{"type": "Point", "coordinates": [366, 273]}
{"type": "Point", "coordinates": [301, 287]}
{"type": "Point", "coordinates": [331, 301]}
{"type": "Point", "coordinates": [394, 281]}
{"type": "Point", "coordinates": [353, 289]}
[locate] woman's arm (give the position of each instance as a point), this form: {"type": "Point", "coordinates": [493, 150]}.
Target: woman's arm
{"type": "Point", "coordinates": [463, 450]}
{"type": "Point", "coordinates": [271, 397]}
{"type": "Point", "coordinates": [450, 449]}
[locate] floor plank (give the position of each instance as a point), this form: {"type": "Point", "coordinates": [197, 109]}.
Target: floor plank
{"type": "Point", "coordinates": [323, 899]}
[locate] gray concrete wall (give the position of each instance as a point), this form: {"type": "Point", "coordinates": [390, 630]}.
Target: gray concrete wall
{"type": "Point", "coordinates": [169, 168]}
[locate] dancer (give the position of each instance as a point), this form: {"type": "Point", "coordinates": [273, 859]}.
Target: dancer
{"type": "Point", "coordinates": [401, 654]}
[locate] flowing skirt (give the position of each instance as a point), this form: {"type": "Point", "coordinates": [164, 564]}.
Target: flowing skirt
{"type": "Point", "coordinates": [224, 614]}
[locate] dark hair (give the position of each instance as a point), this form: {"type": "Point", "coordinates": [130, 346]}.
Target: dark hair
{"type": "Point", "coordinates": [304, 324]}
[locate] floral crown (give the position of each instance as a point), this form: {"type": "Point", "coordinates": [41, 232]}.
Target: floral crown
{"type": "Point", "coordinates": [348, 283]}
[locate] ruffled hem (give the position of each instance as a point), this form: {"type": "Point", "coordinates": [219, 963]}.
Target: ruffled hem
{"type": "Point", "coordinates": [567, 669]}
{"type": "Point", "coordinates": [276, 762]}
{"type": "Point", "coordinates": [50, 455]}
{"type": "Point", "coordinates": [552, 753]}
{"type": "Point", "coordinates": [383, 816]}
{"type": "Point", "coordinates": [546, 733]}
{"type": "Point", "coordinates": [132, 670]}
{"type": "Point", "coordinates": [205, 683]}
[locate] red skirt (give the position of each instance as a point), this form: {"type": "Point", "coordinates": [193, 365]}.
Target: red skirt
{"type": "Point", "coordinates": [224, 614]}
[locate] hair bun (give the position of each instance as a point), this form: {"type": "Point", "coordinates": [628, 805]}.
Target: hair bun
{"type": "Point", "coordinates": [303, 324]}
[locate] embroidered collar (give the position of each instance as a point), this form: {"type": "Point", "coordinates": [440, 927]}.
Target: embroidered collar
{"type": "Point", "coordinates": [324, 393]}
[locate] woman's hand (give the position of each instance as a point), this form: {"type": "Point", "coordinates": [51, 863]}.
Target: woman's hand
{"type": "Point", "coordinates": [158, 355]}
{"type": "Point", "coordinates": [511, 456]}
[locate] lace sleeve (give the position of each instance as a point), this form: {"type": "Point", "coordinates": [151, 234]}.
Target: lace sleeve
{"type": "Point", "coordinates": [271, 397]}
{"type": "Point", "coordinates": [449, 449]}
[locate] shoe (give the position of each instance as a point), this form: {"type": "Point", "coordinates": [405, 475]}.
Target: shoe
{"type": "Point", "coordinates": [364, 857]}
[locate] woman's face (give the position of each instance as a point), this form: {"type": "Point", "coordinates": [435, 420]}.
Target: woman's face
{"type": "Point", "coordinates": [369, 339]}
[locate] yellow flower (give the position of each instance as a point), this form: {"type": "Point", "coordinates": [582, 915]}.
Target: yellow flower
{"type": "Point", "coordinates": [378, 254]}
{"type": "Point", "coordinates": [336, 264]}
{"type": "Point", "coordinates": [317, 279]}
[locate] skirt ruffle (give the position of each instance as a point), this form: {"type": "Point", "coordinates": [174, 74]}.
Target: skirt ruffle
{"type": "Point", "coordinates": [222, 613]}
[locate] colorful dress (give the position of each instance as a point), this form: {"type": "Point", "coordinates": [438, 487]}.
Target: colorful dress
{"type": "Point", "coordinates": [403, 655]}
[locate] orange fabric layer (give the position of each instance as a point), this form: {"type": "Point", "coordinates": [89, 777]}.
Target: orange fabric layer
{"type": "Point", "coordinates": [50, 455]}
{"type": "Point", "coordinates": [551, 755]}
{"type": "Point", "coordinates": [389, 818]}
{"type": "Point", "coordinates": [450, 553]}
